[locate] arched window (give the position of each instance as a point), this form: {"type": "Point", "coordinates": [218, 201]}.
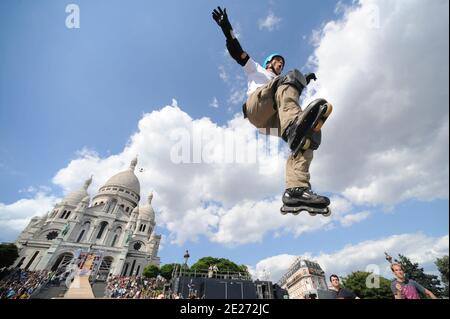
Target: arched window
{"type": "Point", "coordinates": [124, 273]}
{"type": "Point", "coordinates": [80, 236]}
{"type": "Point", "coordinates": [102, 229]}
{"type": "Point", "coordinates": [132, 267]}
{"type": "Point", "coordinates": [111, 206]}
{"type": "Point", "coordinates": [114, 240]}
{"type": "Point", "coordinates": [20, 262]}
{"type": "Point", "coordinates": [67, 215]}
{"type": "Point", "coordinates": [143, 228]}
{"type": "Point", "coordinates": [31, 260]}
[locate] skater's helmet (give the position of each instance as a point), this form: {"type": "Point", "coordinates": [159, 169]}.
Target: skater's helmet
{"type": "Point", "coordinates": [271, 57]}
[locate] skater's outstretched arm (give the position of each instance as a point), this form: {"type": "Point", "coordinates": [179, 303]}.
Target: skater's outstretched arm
{"type": "Point", "coordinates": [233, 45]}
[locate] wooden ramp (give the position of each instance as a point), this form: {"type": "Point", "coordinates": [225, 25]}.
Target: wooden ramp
{"type": "Point", "coordinates": [80, 288]}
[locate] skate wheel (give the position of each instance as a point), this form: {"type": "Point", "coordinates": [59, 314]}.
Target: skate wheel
{"type": "Point", "coordinates": [329, 110]}
{"type": "Point", "coordinates": [283, 212]}
{"type": "Point", "coordinates": [295, 213]}
{"type": "Point", "coordinates": [327, 214]}
{"type": "Point", "coordinates": [307, 144]}
{"type": "Point", "coordinates": [318, 126]}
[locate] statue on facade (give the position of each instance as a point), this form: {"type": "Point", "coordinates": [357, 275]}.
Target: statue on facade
{"type": "Point", "coordinates": [65, 229]}
{"type": "Point", "coordinates": [128, 238]}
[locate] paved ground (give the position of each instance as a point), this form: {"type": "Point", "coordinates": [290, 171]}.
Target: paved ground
{"type": "Point", "coordinates": [80, 287]}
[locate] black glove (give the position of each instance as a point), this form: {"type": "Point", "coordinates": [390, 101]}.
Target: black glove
{"type": "Point", "coordinates": [221, 19]}
{"type": "Point", "coordinates": [235, 50]}
{"type": "Point", "coordinates": [310, 76]}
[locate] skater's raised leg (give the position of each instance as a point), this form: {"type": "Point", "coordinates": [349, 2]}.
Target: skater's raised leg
{"type": "Point", "coordinates": [298, 188]}
{"type": "Point", "coordinates": [294, 122]}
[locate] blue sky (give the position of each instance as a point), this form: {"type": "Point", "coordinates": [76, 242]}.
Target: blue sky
{"type": "Point", "coordinates": [88, 87]}
{"type": "Point", "coordinates": [75, 97]}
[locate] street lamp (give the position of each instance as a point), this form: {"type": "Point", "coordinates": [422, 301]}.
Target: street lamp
{"type": "Point", "coordinates": [181, 281]}
{"type": "Point", "coordinates": [186, 258]}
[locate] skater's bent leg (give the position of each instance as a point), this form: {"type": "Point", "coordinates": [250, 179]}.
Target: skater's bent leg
{"type": "Point", "coordinates": [297, 170]}
{"type": "Point", "coordinates": [287, 97]}
{"type": "Point", "coordinates": [260, 106]}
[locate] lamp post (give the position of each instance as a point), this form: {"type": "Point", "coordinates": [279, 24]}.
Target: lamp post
{"type": "Point", "coordinates": [186, 258]}
{"type": "Point", "coordinates": [181, 282]}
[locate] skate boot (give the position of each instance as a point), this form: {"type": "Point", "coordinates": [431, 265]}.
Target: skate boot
{"type": "Point", "coordinates": [294, 134]}
{"type": "Point", "coordinates": [304, 132]}
{"type": "Point", "coordinates": [300, 199]}
{"type": "Point", "coordinates": [313, 136]}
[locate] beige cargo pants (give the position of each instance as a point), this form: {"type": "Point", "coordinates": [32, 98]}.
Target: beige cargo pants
{"type": "Point", "coordinates": [268, 110]}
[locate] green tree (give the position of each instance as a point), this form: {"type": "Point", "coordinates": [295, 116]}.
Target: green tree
{"type": "Point", "coordinates": [167, 270]}
{"type": "Point", "coordinates": [8, 254]}
{"type": "Point", "coordinates": [415, 272]}
{"type": "Point", "coordinates": [442, 265]}
{"type": "Point", "coordinates": [150, 271]}
{"type": "Point", "coordinates": [356, 282]}
{"type": "Point", "coordinates": [223, 264]}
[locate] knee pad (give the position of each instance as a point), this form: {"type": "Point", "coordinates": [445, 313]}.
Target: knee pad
{"type": "Point", "coordinates": [296, 79]}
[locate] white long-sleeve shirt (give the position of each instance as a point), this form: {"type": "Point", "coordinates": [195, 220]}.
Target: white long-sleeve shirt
{"type": "Point", "coordinates": [257, 76]}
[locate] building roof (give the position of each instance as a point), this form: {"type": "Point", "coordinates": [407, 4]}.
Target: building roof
{"type": "Point", "coordinates": [126, 179]}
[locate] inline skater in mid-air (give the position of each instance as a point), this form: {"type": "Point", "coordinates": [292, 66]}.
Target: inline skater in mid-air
{"type": "Point", "coordinates": [273, 104]}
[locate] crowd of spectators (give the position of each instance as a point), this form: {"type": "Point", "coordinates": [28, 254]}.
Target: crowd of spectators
{"type": "Point", "coordinates": [21, 284]}
{"type": "Point", "coordinates": [136, 287]}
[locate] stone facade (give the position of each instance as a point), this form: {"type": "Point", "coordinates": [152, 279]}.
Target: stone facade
{"type": "Point", "coordinates": [304, 279]}
{"type": "Point", "coordinates": [112, 225]}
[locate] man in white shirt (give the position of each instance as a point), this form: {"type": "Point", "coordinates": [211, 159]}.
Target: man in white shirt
{"type": "Point", "coordinates": [273, 107]}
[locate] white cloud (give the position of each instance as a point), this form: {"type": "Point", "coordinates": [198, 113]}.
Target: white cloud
{"type": "Point", "coordinates": [202, 184]}
{"type": "Point", "coordinates": [351, 219]}
{"type": "Point", "coordinates": [384, 67]}
{"type": "Point", "coordinates": [34, 190]}
{"type": "Point", "coordinates": [222, 72]}
{"type": "Point", "coordinates": [382, 144]}
{"type": "Point", "coordinates": [272, 267]}
{"type": "Point", "coordinates": [256, 214]}
{"type": "Point", "coordinates": [270, 23]}
{"type": "Point", "coordinates": [237, 96]}
{"type": "Point", "coordinates": [216, 197]}
{"type": "Point", "coordinates": [14, 217]}
{"type": "Point", "coordinates": [214, 103]}
{"type": "Point", "coordinates": [418, 247]}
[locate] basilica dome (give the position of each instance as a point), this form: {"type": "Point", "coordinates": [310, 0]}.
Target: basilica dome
{"type": "Point", "coordinates": [126, 179]}
{"type": "Point", "coordinates": [73, 198]}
